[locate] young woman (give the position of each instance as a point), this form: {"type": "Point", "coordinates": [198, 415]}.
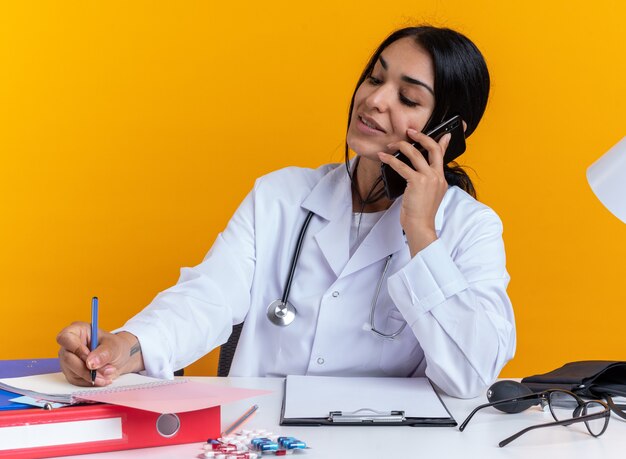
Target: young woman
{"type": "Point", "coordinates": [410, 287]}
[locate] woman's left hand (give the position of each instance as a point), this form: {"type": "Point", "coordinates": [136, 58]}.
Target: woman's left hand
{"type": "Point", "coordinates": [426, 186]}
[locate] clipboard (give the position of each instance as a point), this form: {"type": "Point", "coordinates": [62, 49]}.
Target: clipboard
{"type": "Point", "coordinates": [362, 401]}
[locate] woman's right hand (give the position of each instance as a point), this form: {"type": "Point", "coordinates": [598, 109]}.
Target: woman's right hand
{"type": "Point", "coordinates": [115, 355]}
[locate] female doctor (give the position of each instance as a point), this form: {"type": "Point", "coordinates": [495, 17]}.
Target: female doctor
{"type": "Point", "coordinates": [410, 287]}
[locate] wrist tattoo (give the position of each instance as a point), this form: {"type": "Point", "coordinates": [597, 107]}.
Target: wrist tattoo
{"type": "Point", "coordinates": [136, 348]}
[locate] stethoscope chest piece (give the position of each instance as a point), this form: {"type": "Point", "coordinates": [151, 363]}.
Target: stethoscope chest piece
{"type": "Point", "coordinates": [280, 313]}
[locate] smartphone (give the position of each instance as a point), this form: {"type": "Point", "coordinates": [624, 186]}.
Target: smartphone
{"type": "Point", "coordinates": [395, 183]}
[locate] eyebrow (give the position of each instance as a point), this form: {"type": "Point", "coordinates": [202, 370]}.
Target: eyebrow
{"type": "Point", "coordinates": [407, 79]}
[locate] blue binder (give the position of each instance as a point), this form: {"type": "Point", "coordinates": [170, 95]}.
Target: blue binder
{"type": "Point", "coordinates": [26, 367]}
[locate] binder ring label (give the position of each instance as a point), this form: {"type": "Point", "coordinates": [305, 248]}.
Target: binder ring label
{"type": "Point", "coordinates": [168, 425]}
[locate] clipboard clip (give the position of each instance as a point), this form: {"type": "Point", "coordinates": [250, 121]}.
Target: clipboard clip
{"type": "Point", "coordinates": [366, 415]}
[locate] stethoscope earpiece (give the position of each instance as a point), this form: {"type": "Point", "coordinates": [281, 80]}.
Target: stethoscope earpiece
{"type": "Point", "coordinates": [281, 314]}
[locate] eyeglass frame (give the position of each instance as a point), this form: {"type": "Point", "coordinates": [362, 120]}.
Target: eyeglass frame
{"type": "Point", "coordinates": [544, 399]}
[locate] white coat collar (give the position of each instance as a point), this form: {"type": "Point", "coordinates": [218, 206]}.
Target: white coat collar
{"type": "Point", "coordinates": [331, 199]}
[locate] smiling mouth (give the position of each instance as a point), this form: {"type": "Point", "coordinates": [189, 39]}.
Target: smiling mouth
{"type": "Point", "coordinates": [371, 124]}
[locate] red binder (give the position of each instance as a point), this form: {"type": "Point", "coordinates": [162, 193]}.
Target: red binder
{"type": "Point", "coordinates": [38, 433]}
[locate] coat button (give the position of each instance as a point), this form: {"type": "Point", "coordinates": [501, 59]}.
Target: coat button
{"type": "Point", "coordinates": [320, 361]}
{"type": "Point", "coordinates": [335, 294]}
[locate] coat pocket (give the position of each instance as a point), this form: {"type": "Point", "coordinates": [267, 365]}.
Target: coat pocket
{"type": "Point", "coordinates": [402, 354]}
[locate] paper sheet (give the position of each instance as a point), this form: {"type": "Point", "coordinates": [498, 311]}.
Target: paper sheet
{"type": "Point", "coordinates": [176, 398]}
{"type": "Point", "coordinates": [317, 396]}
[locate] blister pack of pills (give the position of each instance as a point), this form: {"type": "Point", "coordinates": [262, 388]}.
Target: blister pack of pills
{"type": "Point", "coordinates": [251, 444]}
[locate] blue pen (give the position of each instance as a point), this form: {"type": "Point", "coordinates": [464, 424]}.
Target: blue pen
{"type": "Point", "coordinates": [94, 332]}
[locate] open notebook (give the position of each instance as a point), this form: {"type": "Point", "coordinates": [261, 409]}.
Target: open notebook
{"type": "Point", "coordinates": [131, 390]}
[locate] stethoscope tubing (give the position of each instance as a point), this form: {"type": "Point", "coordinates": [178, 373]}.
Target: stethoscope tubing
{"type": "Point", "coordinates": [296, 255]}
{"type": "Point", "coordinates": [373, 305]}
{"type": "Point", "coordinates": [282, 313]}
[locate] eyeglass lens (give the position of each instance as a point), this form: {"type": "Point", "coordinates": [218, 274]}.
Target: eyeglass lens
{"type": "Point", "coordinates": [564, 406]}
{"type": "Point", "coordinates": [595, 426]}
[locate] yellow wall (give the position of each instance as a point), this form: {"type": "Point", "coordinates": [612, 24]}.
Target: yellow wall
{"type": "Point", "coordinates": [130, 131]}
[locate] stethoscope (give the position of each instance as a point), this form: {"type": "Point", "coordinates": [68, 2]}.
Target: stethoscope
{"type": "Point", "coordinates": [282, 313]}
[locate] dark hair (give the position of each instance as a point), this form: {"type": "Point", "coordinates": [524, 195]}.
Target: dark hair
{"type": "Point", "coordinates": [461, 85]}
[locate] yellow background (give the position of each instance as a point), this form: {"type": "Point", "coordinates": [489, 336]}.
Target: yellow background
{"type": "Point", "coordinates": [130, 131]}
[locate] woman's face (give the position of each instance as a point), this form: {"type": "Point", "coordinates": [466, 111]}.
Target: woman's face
{"type": "Point", "coordinates": [397, 95]}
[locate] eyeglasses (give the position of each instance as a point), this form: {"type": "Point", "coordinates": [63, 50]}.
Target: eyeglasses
{"type": "Point", "coordinates": [566, 409]}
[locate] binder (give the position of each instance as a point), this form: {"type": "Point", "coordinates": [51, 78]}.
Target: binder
{"type": "Point", "coordinates": [22, 367]}
{"type": "Point", "coordinates": [133, 412]}
{"type": "Point", "coordinates": [39, 433]}
{"type": "Point", "coordinates": [25, 367]}
{"type": "Point", "coordinates": [362, 401]}
{"type": "Point", "coordinates": [7, 404]}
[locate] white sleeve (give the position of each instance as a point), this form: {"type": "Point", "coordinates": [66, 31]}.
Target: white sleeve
{"type": "Point", "coordinates": [458, 308]}
{"type": "Point", "coordinates": [186, 321]}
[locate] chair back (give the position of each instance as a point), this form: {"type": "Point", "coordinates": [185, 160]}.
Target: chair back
{"type": "Point", "coordinates": [227, 351]}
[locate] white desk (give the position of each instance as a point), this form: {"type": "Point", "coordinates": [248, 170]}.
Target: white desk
{"type": "Point", "coordinates": [479, 440]}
